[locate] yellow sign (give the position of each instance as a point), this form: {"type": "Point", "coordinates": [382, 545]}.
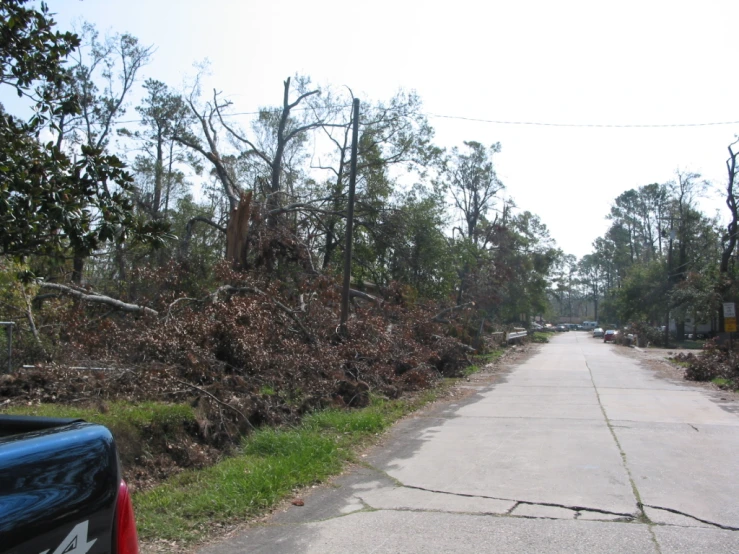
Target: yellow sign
{"type": "Point", "coordinates": [730, 324]}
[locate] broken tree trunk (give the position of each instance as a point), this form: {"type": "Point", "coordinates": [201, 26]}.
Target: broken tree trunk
{"type": "Point", "coordinates": [237, 232]}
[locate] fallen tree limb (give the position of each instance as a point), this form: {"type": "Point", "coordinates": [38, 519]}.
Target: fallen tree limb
{"type": "Point", "coordinates": [353, 293]}
{"type": "Point", "coordinates": [438, 317]}
{"type": "Point", "coordinates": [99, 299]}
{"type": "Point", "coordinates": [82, 290]}
{"type": "Point", "coordinates": [461, 345]}
{"type": "Point", "coordinates": [182, 299]}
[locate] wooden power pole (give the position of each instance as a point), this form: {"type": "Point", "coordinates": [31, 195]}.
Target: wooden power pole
{"type": "Point", "coordinates": [349, 224]}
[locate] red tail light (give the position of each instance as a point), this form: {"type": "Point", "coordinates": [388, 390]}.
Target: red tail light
{"type": "Point", "coordinates": [126, 540]}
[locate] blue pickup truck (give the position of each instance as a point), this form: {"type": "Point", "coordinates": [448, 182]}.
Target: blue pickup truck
{"type": "Point", "coordinates": [61, 490]}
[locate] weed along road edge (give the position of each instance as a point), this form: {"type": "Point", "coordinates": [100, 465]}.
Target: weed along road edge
{"type": "Point", "coordinates": [577, 449]}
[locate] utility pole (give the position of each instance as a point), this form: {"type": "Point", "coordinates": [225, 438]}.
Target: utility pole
{"type": "Point", "coordinates": [349, 224]}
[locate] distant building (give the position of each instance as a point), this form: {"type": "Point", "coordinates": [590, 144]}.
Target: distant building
{"type": "Point", "coordinates": [693, 328]}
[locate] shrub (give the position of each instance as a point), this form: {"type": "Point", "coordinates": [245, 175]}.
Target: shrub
{"type": "Point", "coordinates": [647, 334]}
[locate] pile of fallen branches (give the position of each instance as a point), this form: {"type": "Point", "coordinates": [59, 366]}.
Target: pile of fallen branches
{"type": "Point", "coordinates": [257, 351]}
{"type": "Point", "coordinates": [719, 365]}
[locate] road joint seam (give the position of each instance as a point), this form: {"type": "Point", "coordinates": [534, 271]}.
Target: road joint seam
{"type": "Point", "coordinates": [634, 489]}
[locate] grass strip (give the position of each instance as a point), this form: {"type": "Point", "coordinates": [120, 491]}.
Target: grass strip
{"type": "Point", "coordinates": [114, 414]}
{"type": "Point", "coordinates": [270, 465]}
{"type": "Point", "coordinates": [722, 382]}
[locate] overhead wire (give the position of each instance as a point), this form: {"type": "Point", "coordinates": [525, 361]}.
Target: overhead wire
{"type": "Point", "coordinates": [524, 123]}
{"type": "Point", "coordinates": [594, 125]}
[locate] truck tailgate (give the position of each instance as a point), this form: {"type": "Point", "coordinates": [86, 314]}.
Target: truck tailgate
{"type": "Point", "coordinates": [58, 489]}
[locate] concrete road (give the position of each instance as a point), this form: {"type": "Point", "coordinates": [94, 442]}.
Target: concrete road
{"type": "Point", "coordinates": [577, 449]}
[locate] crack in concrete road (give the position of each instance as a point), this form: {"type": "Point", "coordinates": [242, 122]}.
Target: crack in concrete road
{"type": "Point", "coordinates": [527, 502]}
{"type": "Point", "coordinates": [678, 512]}
{"type": "Point", "coordinates": [578, 509]}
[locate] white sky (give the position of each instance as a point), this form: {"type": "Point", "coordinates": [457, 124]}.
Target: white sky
{"type": "Point", "coordinates": [589, 62]}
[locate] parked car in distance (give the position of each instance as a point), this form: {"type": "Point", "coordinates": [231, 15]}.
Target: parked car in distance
{"type": "Point", "coordinates": [610, 335]}
{"type": "Point", "coordinates": [562, 328]}
{"type": "Point", "coordinates": [597, 332]}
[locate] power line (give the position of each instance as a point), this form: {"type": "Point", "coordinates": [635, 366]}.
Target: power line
{"type": "Point", "coordinates": [595, 125]}
{"type": "Point", "coordinates": [529, 123]}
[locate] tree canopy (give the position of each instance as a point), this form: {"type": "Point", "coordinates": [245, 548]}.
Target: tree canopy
{"type": "Point", "coordinates": [50, 200]}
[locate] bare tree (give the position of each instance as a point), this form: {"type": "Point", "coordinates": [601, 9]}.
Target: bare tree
{"type": "Point", "coordinates": [280, 130]}
{"type": "Point", "coordinates": [288, 129]}
{"type": "Point", "coordinates": [206, 142]}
